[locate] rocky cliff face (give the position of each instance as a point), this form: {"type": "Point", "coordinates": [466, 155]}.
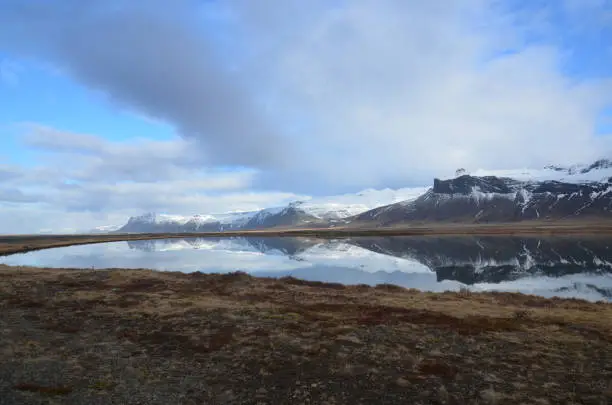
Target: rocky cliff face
{"type": "Point", "coordinates": [496, 199]}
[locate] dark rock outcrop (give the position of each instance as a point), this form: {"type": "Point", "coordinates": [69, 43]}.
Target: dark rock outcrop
{"type": "Point", "coordinates": [473, 199]}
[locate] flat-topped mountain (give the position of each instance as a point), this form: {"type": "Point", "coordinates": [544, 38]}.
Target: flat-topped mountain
{"type": "Point", "coordinates": [482, 199]}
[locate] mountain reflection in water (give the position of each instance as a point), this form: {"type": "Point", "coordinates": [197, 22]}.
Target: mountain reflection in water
{"type": "Point", "coordinates": [561, 266]}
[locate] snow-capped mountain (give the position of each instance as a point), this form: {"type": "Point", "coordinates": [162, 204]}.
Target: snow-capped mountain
{"type": "Point", "coordinates": [550, 193]}
{"type": "Point", "coordinates": [289, 216]}
{"type": "Point", "coordinates": [599, 171]}
{"type": "Point", "coordinates": [329, 211]}
{"type": "Point", "coordinates": [553, 192]}
{"type": "Point", "coordinates": [155, 223]}
{"type": "Point", "coordinates": [315, 212]}
{"type": "Point", "coordinates": [347, 205]}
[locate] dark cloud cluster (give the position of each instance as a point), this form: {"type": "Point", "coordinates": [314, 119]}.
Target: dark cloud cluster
{"type": "Point", "coordinates": [153, 57]}
{"type": "Point", "coordinates": [363, 93]}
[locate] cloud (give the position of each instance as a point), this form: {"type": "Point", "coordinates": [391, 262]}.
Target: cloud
{"type": "Point", "coordinates": [327, 97]}
{"type": "Point", "coordinates": [15, 195]}
{"type": "Point", "coordinates": [83, 181]}
{"type": "Point", "coordinates": [24, 219]}
{"type": "Point", "coordinates": [88, 157]}
{"type": "Point", "coordinates": [82, 209]}
{"type": "Point", "coordinates": [151, 57]}
{"type": "Point", "coordinates": [399, 92]}
{"type": "Point", "coordinates": [597, 11]}
{"type": "Point", "coordinates": [179, 196]}
{"type": "Point", "coordinates": [9, 173]}
{"type": "Point", "coordinates": [51, 139]}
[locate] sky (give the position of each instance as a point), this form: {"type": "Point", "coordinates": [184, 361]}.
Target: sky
{"type": "Point", "coordinates": [115, 108]}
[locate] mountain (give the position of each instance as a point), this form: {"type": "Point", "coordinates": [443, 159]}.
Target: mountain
{"type": "Point", "coordinates": [329, 211]}
{"type": "Point", "coordinates": [154, 223]}
{"type": "Point", "coordinates": [599, 171]}
{"type": "Point", "coordinates": [339, 207]}
{"type": "Point", "coordinates": [290, 216]}
{"type": "Point", "coordinates": [315, 212]}
{"type": "Point", "coordinates": [552, 193]}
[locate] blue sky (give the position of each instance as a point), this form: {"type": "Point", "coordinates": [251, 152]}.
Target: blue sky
{"type": "Point", "coordinates": [36, 94]}
{"type": "Point", "coordinates": [219, 106]}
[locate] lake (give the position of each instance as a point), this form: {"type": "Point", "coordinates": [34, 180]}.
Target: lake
{"type": "Point", "coordinates": [560, 266]}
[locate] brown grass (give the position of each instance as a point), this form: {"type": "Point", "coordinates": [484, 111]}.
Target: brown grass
{"type": "Point", "coordinates": [142, 336]}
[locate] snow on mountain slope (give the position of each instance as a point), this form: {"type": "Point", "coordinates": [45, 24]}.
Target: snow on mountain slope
{"type": "Point", "coordinates": [152, 222]}
{"type": "Point", "coordinates": [153, 218]}
{"type": "Point", "coordinates": [599, 171]}
{"type": "Point", "coordinates": [470, 198]}
{"type": "Point", "coordinates": [235, 219]}
{"type": "Point", "coordinates": [347, 205]}
{"type": "Point", "coordinates": [317, 210]}
{"type": "Point", "coordinates": [260, 216]}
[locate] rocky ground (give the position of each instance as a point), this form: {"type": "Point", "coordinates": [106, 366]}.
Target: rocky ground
{"type": "Point", "coordinates": [144, 337]}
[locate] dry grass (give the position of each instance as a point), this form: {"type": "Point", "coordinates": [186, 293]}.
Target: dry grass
{"type": "Point", "coordinates": [125, 336]}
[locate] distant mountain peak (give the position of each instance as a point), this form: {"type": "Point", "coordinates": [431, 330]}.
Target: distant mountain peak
{"type": "Point", "coordinates": [480, 196]}
{"type": "Point", "coordinates": [555, 194]}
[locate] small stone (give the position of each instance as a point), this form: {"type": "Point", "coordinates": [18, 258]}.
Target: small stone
{"type": "Point", "coordinates": [349, 339]}
{"type": "Point", "coordinates": [402, 382]}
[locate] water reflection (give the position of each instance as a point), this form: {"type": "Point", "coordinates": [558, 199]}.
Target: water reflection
{"type": "Point", "coordinates": [545, 266]}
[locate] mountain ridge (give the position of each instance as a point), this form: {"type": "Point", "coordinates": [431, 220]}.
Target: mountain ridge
{"type": "Point", "coordinates": [551, 193]}
{"type": "Point", "coordinates": [321, 212]}
{"type": "Point", "coordinates": [482, 199]}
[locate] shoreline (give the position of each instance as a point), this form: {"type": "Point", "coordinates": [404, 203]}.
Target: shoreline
{"type": "Point", "coordinates": [142, 336]}
{"type": "Point", "coordinates": [12, 244]}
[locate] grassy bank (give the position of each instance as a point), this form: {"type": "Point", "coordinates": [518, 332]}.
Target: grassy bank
{"type": "Point", "coordinates": [10, 244]}
{"type": "Point", "coordinates": [144, 337]}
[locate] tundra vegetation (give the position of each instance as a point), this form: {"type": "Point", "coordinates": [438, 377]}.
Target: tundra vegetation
{"type": "Point", "coordinates": [146, 337]}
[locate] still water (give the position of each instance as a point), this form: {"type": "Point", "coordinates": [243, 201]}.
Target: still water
{"type": "Point", "coordinates": [564, 267]}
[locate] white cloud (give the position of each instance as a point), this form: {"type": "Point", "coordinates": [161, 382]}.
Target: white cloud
{"type": "Point", "coordinates": [402, 91]}
{"type": "Point", "coordinates": [356, 94]}
{"type": "Point", "coordinates": [56, 215]}
{"type": "Point", "coordinates": [87, 181]}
